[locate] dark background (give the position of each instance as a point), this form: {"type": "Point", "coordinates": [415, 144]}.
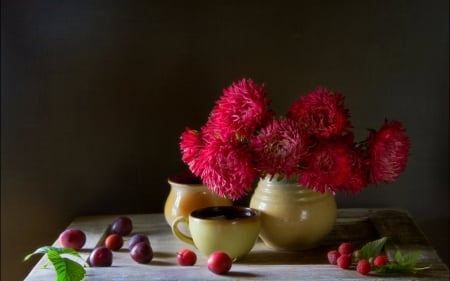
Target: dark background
{"type": "Point", "coordinates": [94, 96]}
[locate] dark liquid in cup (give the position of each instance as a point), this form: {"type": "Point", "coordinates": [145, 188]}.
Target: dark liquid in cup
{"type": "Point", "coordinates": [223, 212]}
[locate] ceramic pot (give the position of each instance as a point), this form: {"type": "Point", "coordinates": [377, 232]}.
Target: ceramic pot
{"type": "Point", "coordinates": [293, 217]}
{"type": "Point", "coordinates": [188, 193]}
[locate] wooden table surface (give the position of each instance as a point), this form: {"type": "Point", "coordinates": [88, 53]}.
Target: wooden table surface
{"type": "Point", "coordinates": [356, 225]}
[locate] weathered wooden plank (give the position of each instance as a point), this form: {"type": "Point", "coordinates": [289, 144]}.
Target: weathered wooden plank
{"type": "Point", "coordinates": [356, 225]}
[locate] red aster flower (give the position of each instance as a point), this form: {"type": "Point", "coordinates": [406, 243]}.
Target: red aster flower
{"type": "Point", "coordinates": [330, 168]}
{"type": "Point", "coordinates": [241, 141]}
{"type": "Point", "coordinates": [190, 144]}
{"type": "Point", "coordinates": [388, 152]}
{"type": "Point", "coordinates": [226, 168]}
{"type": "Point", "coordinates": [321, 113]}
{"type": "Point", "coordinates": [243, 108]}
{"type": "Point", "coordinates": [280, 148]}
{"type": "Point", "coordinates": [358, 177]}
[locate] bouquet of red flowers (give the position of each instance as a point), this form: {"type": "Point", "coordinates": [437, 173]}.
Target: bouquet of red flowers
{"type": "Point", "coordinates": [243, 140]}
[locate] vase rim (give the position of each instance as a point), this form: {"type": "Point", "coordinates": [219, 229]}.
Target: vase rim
{"type": "Point", "coordinates": [185, 178]}
{"type": "Point", "coordinates": [278, 178]}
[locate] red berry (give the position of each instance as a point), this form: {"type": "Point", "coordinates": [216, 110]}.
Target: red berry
{"type": "Point", "coordinates": [333, 256]}
{"type": "Point", "coordinates": [363, 267]}
{"type": "Point", "coordinates": [380, 260]}
{"type": "Point", "coordinates": [142, 252]}
{"type": "Point", "coordinates": [219, 262]}
{"type": "Point", "coordinates": [114, 242]}
{"type": "Point", "coordinates": [345, 248]}
{"type": "Point", "coordinates": [136, 238]}
{"type": "Point", "coordinates": [72, 238]}
{"type": "Point", "coordinates": [122, 226]}
{"type": "Point", "coordinates": [344, 261]}
{"type": "Point", "coordinates": [101, 256]}
{"type": "Point", "coordinates": [186, 257]}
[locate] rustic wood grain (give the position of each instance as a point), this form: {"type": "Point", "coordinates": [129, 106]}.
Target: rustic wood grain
{"type": "Point", "coordinates": [262, 263]}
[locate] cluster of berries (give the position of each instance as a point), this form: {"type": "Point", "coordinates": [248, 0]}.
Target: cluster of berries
{"type": "Point", "coordinates": [139, 246]}
{"type": "Point", "coordinates": [218, 262]}
{"type": "Point", "coordinates": [102, 255]}
{"type": "Point", "coordinates": [344, 257]}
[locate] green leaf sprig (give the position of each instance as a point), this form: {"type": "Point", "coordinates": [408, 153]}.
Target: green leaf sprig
{"type": "Point", "coordinates": [66, 269]}
{"type": "Point", "coordinates": [402, 262]}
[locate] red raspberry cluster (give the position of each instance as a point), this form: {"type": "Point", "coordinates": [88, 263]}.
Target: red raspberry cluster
{"type": "Point", "coordinates": [345, 257]}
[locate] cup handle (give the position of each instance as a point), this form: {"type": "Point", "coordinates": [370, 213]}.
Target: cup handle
{"type": "Point", "coordinates": [180, 235]}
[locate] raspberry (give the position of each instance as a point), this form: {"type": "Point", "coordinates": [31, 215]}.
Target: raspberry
{"type": "Point", "coordinates": [363, 267]}
{"type": "Point", "coordinates": [380, 260]}
{"type": "Point", "coordinates": [345, 248]}
{"type": "Point", "coordinates": [344, 261]}
{"type": "Point", "coordinates": [333, 256]}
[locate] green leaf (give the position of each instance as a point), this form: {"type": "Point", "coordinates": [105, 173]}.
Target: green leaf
{"type": "Point", "coordinates": [66, 269]}
{"type": "Point", "coordinates": [74, 271]}
{"type": "Point", "coordinates": [403, 263]}
{"type": "Point", "coordinates": [399, 268]}
{"type": "Point", "coordinates": [408, 260]}
{"type": "Point", "coordinates": [60, 250]}
{"type": "Point", "coordinates": [372, 248]}
{"type": "Point", "coordinates": [392, 268]}
{"type": "Point", "coordinates": [68, 251]}
{"type": "Point", "coordinates": [41, 250]}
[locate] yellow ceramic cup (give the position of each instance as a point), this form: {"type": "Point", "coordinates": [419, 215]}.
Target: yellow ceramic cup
{"type": "Point", "coordinates": [231, 229]}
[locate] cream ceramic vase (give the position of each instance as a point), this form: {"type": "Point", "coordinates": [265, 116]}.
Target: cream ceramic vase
{"type": "Point", "coordinates": [293, 217]}
{"type": "Point", "coordinates": [188, 193]}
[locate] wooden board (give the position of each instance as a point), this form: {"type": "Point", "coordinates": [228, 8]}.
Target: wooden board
{"type": "Point", "coordinates": [262, 263]}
